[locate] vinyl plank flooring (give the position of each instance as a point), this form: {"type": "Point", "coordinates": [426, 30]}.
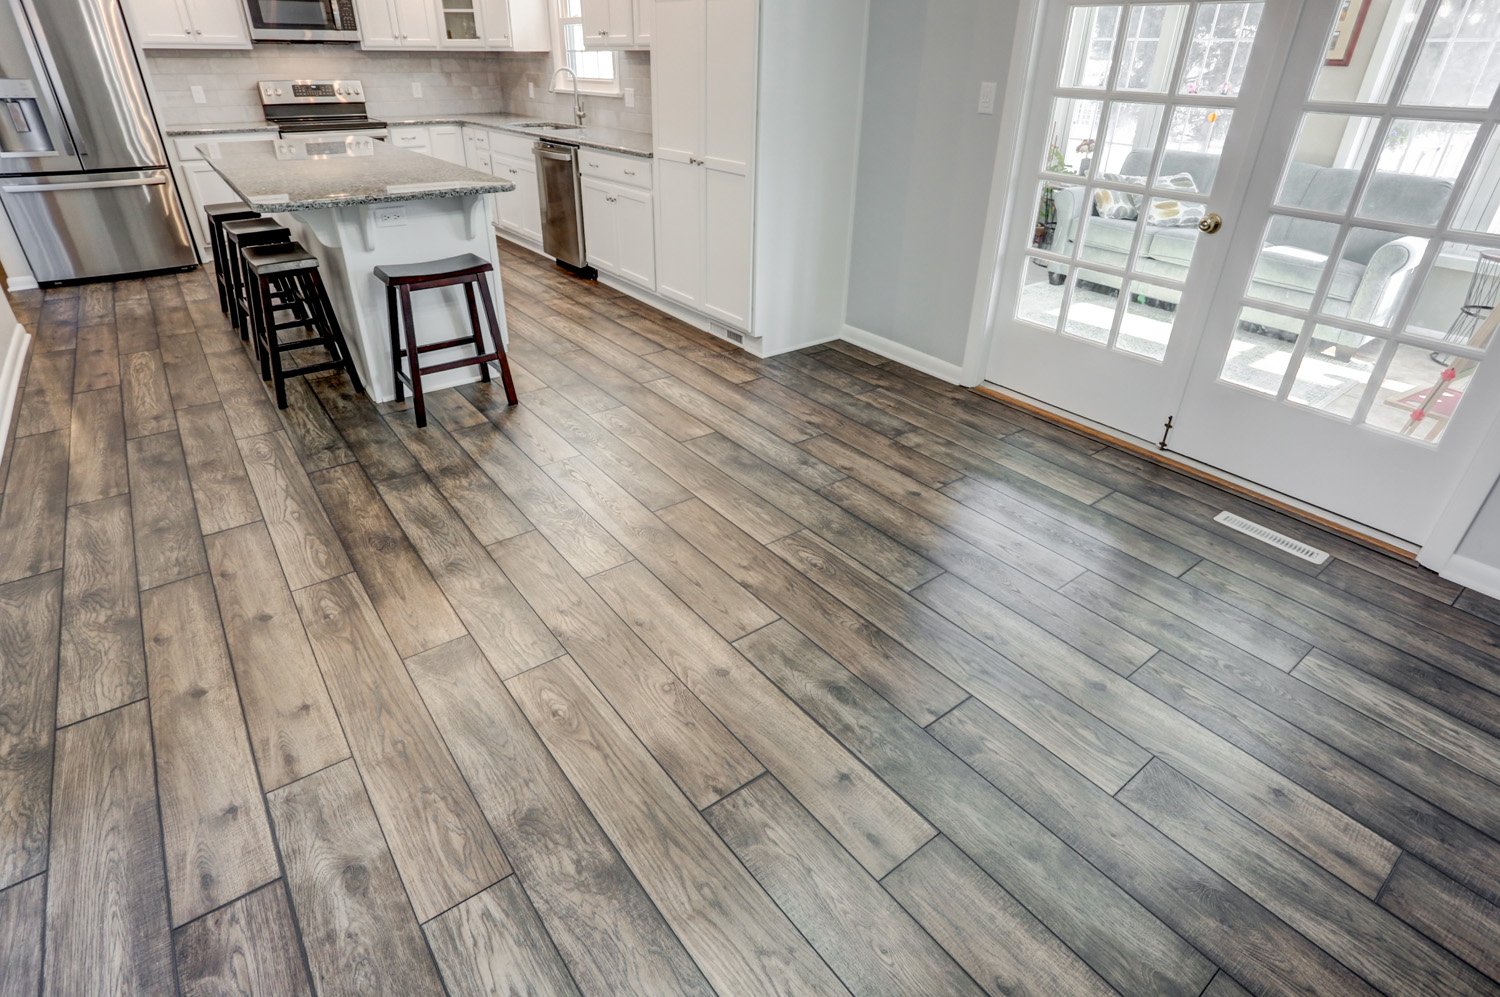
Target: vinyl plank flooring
{"type": "Point", "coordinates": [221, 486]}
{"type": "Point", "coordinates": [609, 933]}
{"type": "Point", "coordinates": [409, 602]}
{"type": "Point", "coordinates": [1089, 745]}
{"type": "Point", "coordinates": [993, 459]}
{"type": "Point", "coordinates": [148, 400]}
{"type": "Point", "coordinates": [734, 397]}
{"type": "Point", "coordinates": [915, 687]}
{"type": "Point", "coordinates": [102, 662]}
{"type": "Point", "coordinates": [318, 444]}
{"type": "Point", "coordinates": [965, 911]}
{"type": "Point", "coordinates": [251, 411]}
{"type": "Point", "coordinates": [585, 544]}
{"type": "Point", "coordinates": [735, 933]}
{"type": "Point", "coordinates": [356, 922]}
{"type": "Point", "coordinates": [444, 850]}
{"type": "Point", "coordinates": [695, 749]}
{"type": "Point", "coordinates": [56, 327]}
{"type": "Point", "coordinates": [97, 362]}
{"type": "Point", "coordinates": [168, 544]}
{"type": "Point", "coordinates": [489, 515]}
{"type": "Point", "coordinates": [22, 914]}
{"type": "Point", "coordinates": [308, 546]}
{"type": "Point", "coordinates": [372, 441]}
{"type": "Point", "coordinates": [30, 616]}
{"type": "Point", "coordinates": [96, 468]}
{"type": "Point", "coordinates": [1478, 605]}
{"type": "Point", "coordinates": [186, 367]}
{"type": "Point", "coordinates": [863, 934]}
{"type": "Point", "coordinates": [602, 325]}
{"type": "Point", "coordinates": [719, 599]}
{"type": "Point", "coordinates": [96, 303]}
{"type": "Point", "coordinates": [1431, 614]}
{"type": "Point", "coordinates": [1209, 911]}
{"type": "Point", "coordinates": [249, 947]}
{"type": "Point", "coordinates": [1126, 944]}
{"type": "Point", "coordinates": [1371, 941]}
{"type": "Point", "coordinates": [293, 728]}
{"type": "Point", "coordinates": [47, 395]}
{"type": "Point", "coordinates": [855, 537]}
{"type": "Point", "coordinates": [32, 518]}
{"type": "Point", "coordinates": [1446, 912]}
{"type": "Point", "coordinates": [107, 928]}
{"type": "Point", "coordinates": [502, 623]}
{"type": "Point", "coordinates": [532, 435]}
{"type": "Point", "coordinates": [135, 323]}
{"type": "Point", "coordinates": [493, 943]}
{"type": "Point", "coordinates": [751, 512]}
{"type": "Point", "coordinates": [877, 828]}
{"type": "Point", "coordinates": [217, 841]}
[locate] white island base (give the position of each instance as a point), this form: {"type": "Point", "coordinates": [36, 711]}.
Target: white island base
{"type": "Point", "coordinates": [351, 240]}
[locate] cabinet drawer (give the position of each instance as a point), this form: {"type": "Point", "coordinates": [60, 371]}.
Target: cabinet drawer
{"type": "Point", "coordinates": [409, 138]}
{"type": "Point", "coordinates": [516, 146]}
{"type": "Point", "coordinates": [477, 139]}
{"type": "Point", "coordinates": [631, 170]}
{"type": "Point", "coordinates": [512, 168]}
{"type": "Point", "coordinates": [187, 145]}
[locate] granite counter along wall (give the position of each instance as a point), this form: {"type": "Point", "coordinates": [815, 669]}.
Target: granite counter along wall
{"type": "Point", "coordinates": [452, 83]}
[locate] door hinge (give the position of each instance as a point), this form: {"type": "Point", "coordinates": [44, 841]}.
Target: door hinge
{"type": "Point", "coordinates": [1165, 433]}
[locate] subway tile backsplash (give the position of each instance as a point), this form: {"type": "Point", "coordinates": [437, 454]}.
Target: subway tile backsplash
{"type": "Point", "coordinates": [452, 83]}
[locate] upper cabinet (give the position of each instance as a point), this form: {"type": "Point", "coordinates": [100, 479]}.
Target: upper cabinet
{"type": "Point", "coordinates": [506, 25]}
{"type": "Point", "coordinates": [617, 23]}
{"type": "Point", "coordinates": [188, 23]}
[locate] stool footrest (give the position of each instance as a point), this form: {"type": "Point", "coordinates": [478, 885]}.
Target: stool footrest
{"type": "Point", "coordinates": [488, 358]}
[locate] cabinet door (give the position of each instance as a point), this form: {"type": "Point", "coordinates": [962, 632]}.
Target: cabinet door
{"type": "Point", "coordinates": [418, 22]}
{"type": "Point", "coordinates": [635, 236]}
{"type": "Point", "coordinates": [679, 231]}
{"type": "Point", "coordinates": [645, 17]}
{"type": "Point", "coordinates": [494, 22]}
{"type": "Point", "coordinates": [727, 250]}
{"type": "Point", "coordinates": [677, 70]}
{"type": "Point", "coordinates": [608, 23]}
{"type": "Point", "coordinates": [729, 84]}
{"type": "Point", "coordinates": [529, 199]}
{"type": "Point", "coordinates": [411, 138]}
{"type": "Point", "coordinates": [204, 187]}
{"type": "Point", "coordinates": [219, 23]}
{"type": "Point", "coordinates": [378, 26]}
{"type": "Point", "coordinates": [159, 23]}
{"type": "Point", "coordinates": [599, 240]}
{"type": "Point", "coordinates": [446, 142]}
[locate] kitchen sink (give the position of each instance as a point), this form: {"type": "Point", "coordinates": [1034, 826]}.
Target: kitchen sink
{"type": "Point", "coordinates": [548, 126]}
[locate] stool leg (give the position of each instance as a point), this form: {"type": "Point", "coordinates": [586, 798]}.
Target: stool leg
{"type": "Point", "coordinates": [266, 335]}
{"type": "Point", "coordinates": [484, 369]}
{"type": "Point", "coordinates": [395, 326]}
{"type": "Point", "coordinates": [216, 243]}
{"type": "Point", "coordinates": [489, 314]}
{"type": "Point", "coordinates": [232, 267]}
{"type": "Point", "coordinates": [255, 320]}
{"type": "Point", "coordinates": [418, 404]}
{"type": "Point", "coordinates": [332, 331]}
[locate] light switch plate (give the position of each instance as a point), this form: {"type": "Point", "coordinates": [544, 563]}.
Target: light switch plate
{"type": "Point", "coordinates": [630, 96]}
{"type": "Point", "coordinates": [986, 98]}
{"type": "Point", "coordinates": [416, 88]}
{"type": "Point", "coordinates": [390, 215]}
{"type": "Point", "coordinates": [199, 97]}
{"type": "Point", "coordinates": [531, 90]}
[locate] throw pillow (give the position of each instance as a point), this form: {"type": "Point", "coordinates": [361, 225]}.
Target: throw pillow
{"type": "Point", "coordinates": [1117, 204]}
{"type": "Point", "coordinates": [1172, 213]}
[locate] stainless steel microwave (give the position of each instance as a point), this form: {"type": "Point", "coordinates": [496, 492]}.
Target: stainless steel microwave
{"type": "Point", "coordinates": [303, 20]}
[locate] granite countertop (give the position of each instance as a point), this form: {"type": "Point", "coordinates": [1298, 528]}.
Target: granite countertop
{"type": "Point", "coordinates": [302, 175]}
{"type": "Point", "coordinates": [589, 137]}
{"type": "Point", "coordinates": [187, 131]}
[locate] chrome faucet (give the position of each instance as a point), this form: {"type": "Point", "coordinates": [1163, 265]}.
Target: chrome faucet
{"type": "Point", "coordinates": [579, 114]}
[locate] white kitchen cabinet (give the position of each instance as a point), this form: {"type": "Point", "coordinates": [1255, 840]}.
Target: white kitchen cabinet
{"type": "Point", "coordinates": [516, 25]}
{"type": "Point", "coordinates": [703, 68]}
{"type": "Point", "coordinates": [518, 211]}
{"type": "Point", "coordinates": [412, 138]}
{"type": "Point", "coordinates": [608, 23]}
{"type": "Point", "coordinates": [204, 186]}
{"type": "Point", "coordinates": [645, 11]}
{"type": "Point", "coordinates": [446, 142]}
{"type": "Point", "coordinates": [599, 226]}
{"type": "Point", "coordinates": [619, 231]}
{"type": "Point", "coordinates": [388, 24]}
{"type": "Point", "coordinates": [216, 24]}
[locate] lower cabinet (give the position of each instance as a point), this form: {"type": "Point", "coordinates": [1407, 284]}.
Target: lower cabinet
{"type": "Point", "coordinates": [619, 231]}
{"type": "Point", "coordinates": [204, 187]}
{"type": "Point", "coordinates": [446, 142]}
{"type": "Point", "coordinates": [518, 211]}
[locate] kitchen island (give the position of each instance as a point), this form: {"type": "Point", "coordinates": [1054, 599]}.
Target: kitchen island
{"type": "Point", "coordinates": [357, 203]}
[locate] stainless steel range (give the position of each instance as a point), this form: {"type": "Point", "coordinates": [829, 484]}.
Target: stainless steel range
{"type": "Point", "coordinates": [318, 108]}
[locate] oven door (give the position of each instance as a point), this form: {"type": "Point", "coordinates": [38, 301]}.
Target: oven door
{"type": "Point", "coordinates": [302, 20]}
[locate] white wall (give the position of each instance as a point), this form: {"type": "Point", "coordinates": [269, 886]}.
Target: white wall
{"type": "Point", "coordinates": [1476, 563]}
{"type": "Point", "coordinates": [926, 163]}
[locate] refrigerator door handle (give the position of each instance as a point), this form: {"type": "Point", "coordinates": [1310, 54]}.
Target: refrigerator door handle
{"type": "Point", "coordinates": [48, 188]}
{"type": "Point", "coordinates": [64, 104]}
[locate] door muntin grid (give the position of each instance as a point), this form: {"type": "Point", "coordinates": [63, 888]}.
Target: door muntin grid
{"type": "Point", "coordinates": [1384, 199]}
{"type": "Point", "coordinates": [1138, 85]}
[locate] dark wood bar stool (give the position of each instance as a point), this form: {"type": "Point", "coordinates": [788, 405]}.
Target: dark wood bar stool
{"type": "Point", "coordinates": [291, 272]}
{"type": "Point", "coordinates": [217, 215]}
{"type": "Point", "coordinates": [400, 281]}
{"type": "Point", "coordinates": [239, 235]}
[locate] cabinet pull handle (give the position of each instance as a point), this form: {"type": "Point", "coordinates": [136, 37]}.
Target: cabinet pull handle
{"type": "Point", "coordinates": [630, 173]}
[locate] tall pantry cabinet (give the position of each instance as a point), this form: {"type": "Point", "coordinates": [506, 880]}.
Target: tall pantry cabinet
{"type": "Point", "coordinates": [756, 107]}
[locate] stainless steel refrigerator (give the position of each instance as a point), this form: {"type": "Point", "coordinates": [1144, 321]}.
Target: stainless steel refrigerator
{"type": "Point", "coordinates": [83, 171]}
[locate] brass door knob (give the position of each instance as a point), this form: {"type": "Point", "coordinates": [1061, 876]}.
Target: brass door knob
{"type": "Point", "coordinates": [1211, 223]}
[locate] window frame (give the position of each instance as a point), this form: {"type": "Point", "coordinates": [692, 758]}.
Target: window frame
{"type": "Point", "coordinates": [587, 86]}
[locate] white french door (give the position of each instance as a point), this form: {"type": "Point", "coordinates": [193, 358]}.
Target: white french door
{"type": "Point", "coordinates": [1332, 342]}
{"type": "Point", "coordinates": [1141, 122]}
{"type": "Point", "coordinates": [1344, 359]}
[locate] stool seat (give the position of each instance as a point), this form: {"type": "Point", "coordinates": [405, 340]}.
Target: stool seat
{"type": "Point", "coordinates": [230, 210]}
{"type": "Point", "coordinates": [283, 258]}
{"type": "Point", "coordinates": [251, 226]}
{"type": "Point", "coordinates": [452, 268]}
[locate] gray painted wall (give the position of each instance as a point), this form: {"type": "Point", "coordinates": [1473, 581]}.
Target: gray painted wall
{"type": "Point", "coordinates": [1482, 542]}
{"type": "Point", "coordinates": [925, 163]}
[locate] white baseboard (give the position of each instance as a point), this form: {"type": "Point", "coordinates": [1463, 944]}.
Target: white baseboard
{"type": "Point", "coordinates": [17, 284]}
{"type": "Point", "coordinates": [12, 363]}
{"type": "Point", "coordinates": [901, 353]}
{"type": "Point", "coordinates": [1482, 578]}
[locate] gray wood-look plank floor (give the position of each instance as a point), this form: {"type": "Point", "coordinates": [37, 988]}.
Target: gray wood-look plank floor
{"type": "Point", "coordinates": [695, 673]}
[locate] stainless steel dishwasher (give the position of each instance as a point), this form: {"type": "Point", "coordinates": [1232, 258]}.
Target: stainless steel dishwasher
{"type": "Point", "coordinates": [562, 203]}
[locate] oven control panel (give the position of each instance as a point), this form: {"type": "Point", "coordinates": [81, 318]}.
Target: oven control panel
{"type": "Point", "coordinates": [311, 91]}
